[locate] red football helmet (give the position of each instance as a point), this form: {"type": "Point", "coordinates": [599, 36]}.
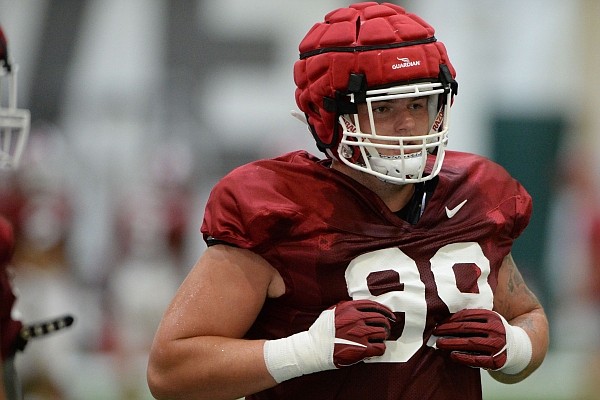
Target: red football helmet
{"type": "Point", "coordinates": [367, 53]}
{"type": "Point", "coordinates": [14, 122]}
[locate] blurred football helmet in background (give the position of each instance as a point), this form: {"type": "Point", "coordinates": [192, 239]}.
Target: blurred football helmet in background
{"type": "Point", "coordinates": [14, 122]}
{"type": "Point", "coordinates": [368, 53]}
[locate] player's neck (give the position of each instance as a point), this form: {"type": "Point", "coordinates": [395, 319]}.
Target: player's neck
{"type": "Point", "coordinates": [394, 196]}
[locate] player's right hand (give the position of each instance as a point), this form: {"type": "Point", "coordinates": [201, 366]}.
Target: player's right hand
{"type": "Point", "coordinates": [361, 327]}
{"type": "Point", "coordinates": [342, 335]}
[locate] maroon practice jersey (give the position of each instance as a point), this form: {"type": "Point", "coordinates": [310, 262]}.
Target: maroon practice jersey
{"type": "Point", "coordinates": [9, 328]}
{"type": "Point", "coordinates": [332, 239]}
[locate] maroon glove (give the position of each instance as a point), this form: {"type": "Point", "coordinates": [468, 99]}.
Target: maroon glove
{"type": "Point", "coordinates": [476, 338]}
{"type": "Point", "coordinates": [361, 327]}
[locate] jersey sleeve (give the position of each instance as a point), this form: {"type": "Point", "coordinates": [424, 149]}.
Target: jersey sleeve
{"type": "Point", "coordinates": [523, 211]}
{"type": "Point", "coordinates": [515, 208]}
{"type": "Point", "coordinates": [245, 212]}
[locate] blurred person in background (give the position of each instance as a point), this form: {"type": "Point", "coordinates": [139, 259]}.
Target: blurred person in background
{"type": "Point", "coordinates": [384, 270]}
{"type": "Point", "coordinates": [575, 242]}
{"type": "Point", "coordinates": [14, 129]}
{"type": "Point", "coordinates": [39, 208]}
{"type": "Point", "coordinates": [151, 222]}
{"type": "Point", "coordinates": [33, 226]}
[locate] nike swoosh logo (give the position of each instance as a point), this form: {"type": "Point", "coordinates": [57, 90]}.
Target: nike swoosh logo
{"type": "Point", "coordinates": [347, 342]}
{"type": "Point", "coordinates": [452, 212]}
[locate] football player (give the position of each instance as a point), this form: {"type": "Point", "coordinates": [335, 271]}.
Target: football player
{"type": "Point", "coordinates": [14, 129]}
{"type": "Point", "coordinates": [383, 270]}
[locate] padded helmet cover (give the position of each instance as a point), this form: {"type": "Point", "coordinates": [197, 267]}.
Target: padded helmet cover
{"type": "Point", "coordinates": [382, 41]}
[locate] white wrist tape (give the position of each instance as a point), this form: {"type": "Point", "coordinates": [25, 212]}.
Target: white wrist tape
{"type": "Point", "coordinates": [518, 349]}
{"type": "Point", "coordinates": [303, 353]}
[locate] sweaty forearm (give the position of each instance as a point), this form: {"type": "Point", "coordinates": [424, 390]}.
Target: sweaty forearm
{"type": "Point", "coordinates": [207, 368]}
{"type": "Point", "coordinates": [535, 324]}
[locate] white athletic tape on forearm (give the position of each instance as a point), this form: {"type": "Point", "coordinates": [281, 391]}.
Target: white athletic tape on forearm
{"type": "Point", "coordinates": [518, 349]}
{"type": "Point", "coordinates": [302, 353]}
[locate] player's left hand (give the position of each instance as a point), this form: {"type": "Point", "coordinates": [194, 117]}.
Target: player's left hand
{"type": "Point", "coordinates": [483, 339]}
